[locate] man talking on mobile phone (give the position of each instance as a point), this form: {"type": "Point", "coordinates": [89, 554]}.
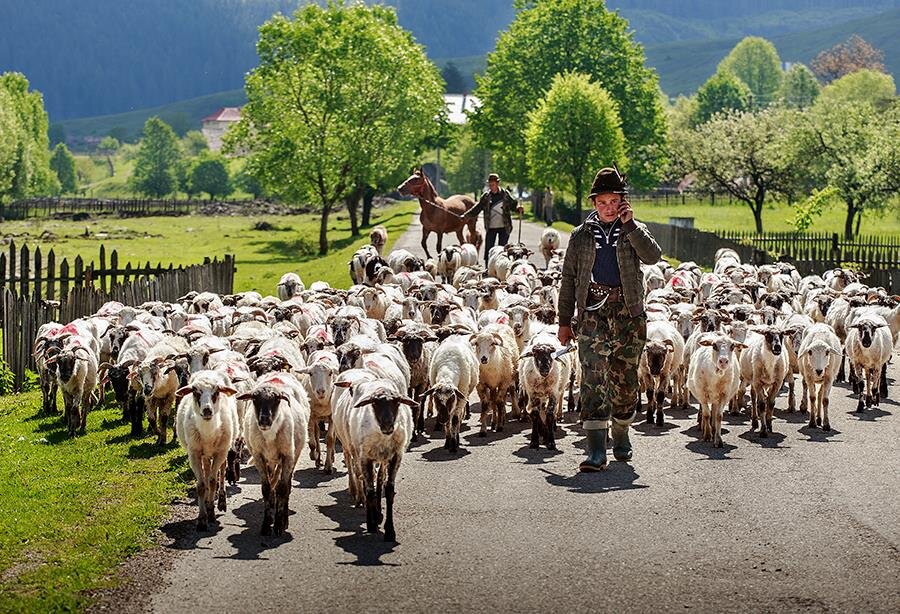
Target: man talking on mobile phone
{"type": "Point", "coordinates": [602, 286]}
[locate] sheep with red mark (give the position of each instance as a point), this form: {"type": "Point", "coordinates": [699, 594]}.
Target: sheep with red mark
{"type": "Point", "coordinates": [207, 427]}
{"type": "Point", "coordinates": [76, 373]}
{"type": "Point", "coordinates": [275, 432]}
{"type": "Point", "coordinates": [159, 383]}
{"type": "Point", "coordinates": [544, 380]}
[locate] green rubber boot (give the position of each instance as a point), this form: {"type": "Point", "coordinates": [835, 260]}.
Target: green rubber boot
{"type": "Point", "coordinates": [621, 443]}
{"type": "Point", "coordinates": [596, 448]}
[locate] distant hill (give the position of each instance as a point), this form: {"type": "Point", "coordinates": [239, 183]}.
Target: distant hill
{"type": "Point", "coordinates": [96, 57]}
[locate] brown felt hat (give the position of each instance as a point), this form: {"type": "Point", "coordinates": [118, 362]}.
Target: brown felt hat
{"type": "Point", "coordinates": [494, 177]}
{"type": "Point", "coordinates": [608, 180]}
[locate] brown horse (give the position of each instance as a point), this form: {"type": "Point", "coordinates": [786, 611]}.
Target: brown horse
{"type": "Point", "coordinates": [440, 215]}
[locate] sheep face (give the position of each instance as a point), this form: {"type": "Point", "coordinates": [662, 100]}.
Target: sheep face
{"type": "Point", "coordinates": [484, 345]}
{"type": "Point", "coordinates": [774, 340]}
{"type": "Point", "coordinates": [867, 331]}
{"type": "Point", "coordinates": [722, 349]}
{"type": "Point", "coordinates": [266, 405]}
{"type": "Point", "coordinates": [409, 307]}
{"type": "Point", "coordinates": [267, 364]}
{"type": "Point", "coordinates": [150, 376]}
{"type": "Point", "coordinates": [546, 314]}
{"type": "Point", "coordinates": [342, 328]}
{"type": "Point", "coordinates": [657, 352]}
{"type": "Point", "coordinates": [412, 344]}
{"type": "Point", "coordinates": [445, 399]}
{"type": "Point", "coordinates": [824, 302]}
{"type": "Point", "coordinates": [710, 320]}
{"type": "Point", "coordinates": [321, 379]}
{"type": "Point", "coordinates": [348, 357]}
{"type": "Point", "coordinates": [66, 363]}
{"type": "Point", "coordinates": [385, 408]}
{"type": "Point", "coordinates": [206, 398]}
{"type": "Point", "coordinates": [440, 310]}
{"type": "Point", "coordinates": [413, 264]}
{"type": "Point", "coordinates": [543, 357]}
{"type": "Point", "coordinates": [371, 298]}
{"type": "Point", "coordinates": [471, 297]}
{"type": "Point", "coordinates": [818, 354]}
{"type": "Point", "coordinates": [683, 323]}
{"type": "Point", "coordinates": [117, 336]}
{"type": "Point", "coordinates": [518, 251]}
{"type": "Point", "coordinates": [518, 318]}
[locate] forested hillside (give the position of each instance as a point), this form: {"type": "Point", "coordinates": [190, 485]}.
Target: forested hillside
{"type": "Point", "coordinates": [96, 57]}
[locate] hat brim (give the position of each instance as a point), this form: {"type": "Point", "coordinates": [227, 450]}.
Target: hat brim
{"type": "Point", "coordinates": [621, 192]}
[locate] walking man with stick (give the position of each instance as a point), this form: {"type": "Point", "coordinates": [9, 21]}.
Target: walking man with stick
{"type": "Point", "coordinates": [602, 279]}
{"type": "Point", "coordinates": [497, 204]}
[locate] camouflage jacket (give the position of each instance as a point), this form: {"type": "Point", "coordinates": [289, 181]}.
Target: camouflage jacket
{"type": "Point", "coordinates": [635, 245]}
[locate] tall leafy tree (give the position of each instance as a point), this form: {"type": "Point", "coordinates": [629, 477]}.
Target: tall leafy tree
{"type": "Point", "coordinates": [342, 96]}
{"type": "Point", "coordinates": [159, 154]}
{"type": "Point", "coordinates": [861, 86]}
{"type": "Point", "coordinates": [63, 164]}
{"type": "Point", "coordinates": [574, 131]}
{"type": "Point", "coordinates": [30, 169]}
{"type": "Point", "coordinates": [10, 137]}
{"type": "Point", "coordinates": [799, 88]}
{"type": "Point", "coordinates": [755, 61]}
{"type": "Point", "coordinates": [108, 147]}
{"type": "Point", "coordinates": [468, 164]}
{"type": "Point", "coordinates": [739, 152]}
{"type": "Point", "coordinates": [210, 174]}
{"type": "Point", "coordinates": [555, 36]}
{"type": "Point", "coordinates": [194, 143]}
{"type": "Point", "coordinates": [722, 92]}
{"type": "Point", "coordinates": [847, 57]}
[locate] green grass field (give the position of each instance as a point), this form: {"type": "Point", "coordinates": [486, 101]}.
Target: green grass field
{"type": "Point", "coordinates": [261, 257]}
{"type": "Point", "coordinates": [73, 509]}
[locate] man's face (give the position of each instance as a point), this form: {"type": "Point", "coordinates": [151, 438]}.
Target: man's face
{"type": "Point", "coordinates": [493, 186]}
{"type": "Point", "coordinates": [607, 206]}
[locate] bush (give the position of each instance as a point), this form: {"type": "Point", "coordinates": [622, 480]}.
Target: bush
{"type": "Point", "coordinates": [7, 379]}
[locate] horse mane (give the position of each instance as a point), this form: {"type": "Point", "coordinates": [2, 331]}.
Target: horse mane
{"type": "Point", "coordinates": [434, 195]}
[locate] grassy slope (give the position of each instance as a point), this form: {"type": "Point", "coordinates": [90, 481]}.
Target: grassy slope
{"type": "Point", "coordinates": [261, 256]}
{"type": "Point", "coordinates": [74, 508]}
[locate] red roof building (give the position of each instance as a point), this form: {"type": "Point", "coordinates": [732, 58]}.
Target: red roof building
{"type": "Point", "coordinates": [215, 125]}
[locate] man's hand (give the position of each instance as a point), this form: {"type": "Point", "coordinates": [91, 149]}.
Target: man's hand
{"type": "Point", "coordinates": [626, 214]}
{"type": "Point", "coordinates": [565, 335]}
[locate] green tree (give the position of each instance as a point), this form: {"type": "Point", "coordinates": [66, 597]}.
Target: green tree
{"type": "Point", "coordinates": [573, 131]}
{"type": "Point", "coordinates": [210, 174]}
{"type": "Point", "coordinates": [30, 168]}
{"type": "Point", "coordinates": [739, 152]}
{"type": "Point", "coordinates": [860, 86]}
{"type": "Point", "coordinates": [156, 167]}
{"type": "Point", "coordinates": [63, 164]}
{"type": "Point", "coordinates": [467, 164]}
{"type": "Point", "coordinates": [246, 182]}
{"type": "Point", "coordinates": [556, 36]}
{"type": "Point", "coordinates": [342, 96]}
{"type": "Point", "coordinates": [10, 137]}
{"type": "Point", "coordinates": [722, 92]}
{"type": "Point", "coordinates": [194, 143]}
{"type": "Point", "coordinates": [454, 81]}
{"type": "Point", "coordinates": [755, 61]}
{"type": "Point", "coordinates": [108, 147]}
{"type": "Point", "coordinates": [799, 87]}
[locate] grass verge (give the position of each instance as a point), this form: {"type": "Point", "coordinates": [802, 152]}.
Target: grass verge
{"type": "Point", "coordinates": [262, 256]}
{"type": "Point", "coordinates": [73, 509]}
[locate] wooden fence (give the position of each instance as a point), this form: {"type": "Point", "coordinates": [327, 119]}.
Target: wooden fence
{"type": "Point", "coordinates": [23, 313]}
{"type": "Point", "coordinates": [128, 207]}
{"type": "Point", "coordinates": [877, 258]}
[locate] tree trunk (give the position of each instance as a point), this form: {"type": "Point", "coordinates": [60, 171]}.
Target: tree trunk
{"type": "Point", "coordinates": [368, 198]}
{"type": "Point", "coordinates": [323, 229]}
{"type": "Point", "coordinates": [112, 169]}
{"type": "Point", "coordinates": [859, 215]}
{"type": "Point", "coordinates": [757, 207]}
{"type": "Point", "coordinates": [848, 221]}
{"type": "Point", "coordinates": [352, 202]}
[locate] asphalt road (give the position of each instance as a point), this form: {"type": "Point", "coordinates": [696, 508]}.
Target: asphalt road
{"type": "Point", "coordinates": [801, 520]}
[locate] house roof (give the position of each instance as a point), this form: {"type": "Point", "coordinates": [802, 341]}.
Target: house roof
{"type": "Point", "coordinates": [225, 114]}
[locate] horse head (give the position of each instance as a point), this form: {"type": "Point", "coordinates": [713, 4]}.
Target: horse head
{"type": "Point", "coordinates": [416, 184]}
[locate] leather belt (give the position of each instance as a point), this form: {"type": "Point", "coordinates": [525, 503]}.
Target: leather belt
{"type": "Point", "coordinates": [598, 292]}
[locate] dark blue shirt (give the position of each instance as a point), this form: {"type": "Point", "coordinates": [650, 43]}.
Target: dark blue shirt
{"type": "Point", "coordinates": [606, 263]}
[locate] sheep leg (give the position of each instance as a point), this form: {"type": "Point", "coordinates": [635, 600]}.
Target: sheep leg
{"type": "Point", "coordinates": [754, 410]}
{"type": "Point", "coordinates": [876, 384]}
{"type": "Point", "coordinates": [484, 395]}
{"type": "Point", "coordinates": [393, 465]}
{"type": "Point", "coordinates": [219, 466]}
{"type": "Point", "coordinates": [312, 432]}
{"type": "Point", "coordinates": [841, 375]}
{"type": "Point", "coordinates": [792, 403]}
{"type": "Point", "coordinates": [660, 401]}
{"type": "Point", "coordinates": [267, 494]}
{"type": "Point", "coordinates": [705, 420]}
{"type": "Point", "coordinates": [813, 403]}
{"type": "Point", "coordinates": [196, 462]}
{"type": "Point", "coordinates": [161, 426]}
{"type": "Point", "coordinates": [368, 470]}
{"type": "Point", "coordinates": [883, 387]}
{"type": "Point", "coordinates": [282, 495]}
{"type": "Point", "coordinates": [651, 404]}
{"type": "Point", "coordinates": [822, 409]}
{"type": "Point", "coordinates": [550, 423]}
{"type": "Point", "coordinates": [871, 386]}
{"type": "Point", "coordinates": [570, 402]}
{"type": "Point", "coordinates": [718, 410]}
{"type": "Point", "coordinates": [804, 396]}
{"type": "Point", "coordinates": [770, 404]}
{"type": "Point", "coordinates": [379, 488]}
{"type": "Point", "coordinates": [861, 403]}
{"type": "Point", "coordinates": [329, 448]}
{"type": "Point", "coordinates": [74, 414]}
{"type": "Point", "coordinates": [535, 425]}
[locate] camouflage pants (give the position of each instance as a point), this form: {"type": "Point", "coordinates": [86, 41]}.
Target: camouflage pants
{"type": "Point", "coordinates": [610, 342]}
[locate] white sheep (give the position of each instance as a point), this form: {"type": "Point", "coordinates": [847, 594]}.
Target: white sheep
{"type": "Point", "coordinates": [158, 379]}
{"type": "Point", "coordinates": [453, 375]}
{"type": "Point", "coordinates": [375, 429]}
{"type": "Point", "coordinates": [549, 243]}
{"type": "Point", "coordinates": [290, 285]}
{"type": "Point", "coordinates": [869, 346]}
{"type": "Point", "coordinates": [322, 369]}
{"type": "Point", "coordinates": [660, 363]}
{"type": "Point", "coordinates": [207, 427]}
{"type": "Point", "coordinates": [764, 365]}
{"type": "Point", "coordinates": [76, 373]}
{"type": "Point", "coordinates": [544, 381]}
{"type": "Point", "coordinates": [713, 378]}
{"type": "Point", "coordinates": [819, 357]}
{"type": "Point", "coordinates": [275, 432]}
{"type": "Point", "coordinates": [498, 357]}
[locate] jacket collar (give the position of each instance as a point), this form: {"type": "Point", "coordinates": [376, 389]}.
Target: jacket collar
{"type": "Point", "coordinates": [593, 220]}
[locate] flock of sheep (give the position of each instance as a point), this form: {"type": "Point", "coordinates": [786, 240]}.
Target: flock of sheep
{"type": "Point", "coordinates": [269, 375]}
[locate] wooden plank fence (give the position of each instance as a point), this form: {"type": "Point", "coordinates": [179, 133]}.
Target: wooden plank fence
{"type": "Point", "coordinates": [25, 309]}
{"type": "Point", "coordinates": [877, 258]}
{"type": "Point", "coordinates": [122, 207]}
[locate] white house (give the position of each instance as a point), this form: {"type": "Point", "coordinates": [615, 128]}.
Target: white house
{"type": "Point", "coordinates": [215, 125]}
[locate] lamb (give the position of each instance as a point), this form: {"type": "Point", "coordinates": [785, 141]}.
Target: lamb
{"type": "Point", "coordinates": [76, 372]}
{"type": "Point", "coordinates": [290, 285]}
{"type": "Point", "coordinates": [544, 381]}
{"type": "Point", "coordinates": [869, 346]}
{"type": "Point", "coordinates": [713, 378]}
{"type": "Point", "coordinates": [375, 429]}
{"type": "Point", "coordinates": [498, 357]}
{"type": "Point", "coordinates": [453, 374]}
{"type": "Point", "coordinates": [207, 427]}
{"type": "Point", "coordinates": [323, 368]}
{"type": "Point", "coordinates": [275, 432]}
{"type": "Point", "coordinates": [819, 356]}
{"type": "Point", "coordinates": [404, 261]}
{"type": "Point", "coordinates": [378, 238]}
{"type": "Point", "coordinates": [653, 279]}
{"type": "Point", "coordinates": [660, 362]}
{"type": "Point", "coordinates": [466, 274]}
{"type": "Point", "coordinates": [549, 243]}
{"type": "Point", "coordinates": [417, 343]}
{"type": "Point", "coordinates": [764, 365]}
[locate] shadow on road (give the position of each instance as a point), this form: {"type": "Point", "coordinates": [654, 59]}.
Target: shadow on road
{"type": "Point", "coordinates": [869, 415]}
{"type": "Point", "coordinates": [537, 456]}
{"type": "Point", "coordinates": [368, 548]}
{"type": "Point", "coordinates": [441, 455]}
{"type": "Point", "coordinates": [817, 434]}
{"type": "Point", "coordinates": [617, 476]}
{"type": "Point", "coordinates": [184, 534]}
{"type": "Point", "coordinates": [249, 545]}
{"type": "Point", "coordinates": [653, 430]}
{"type": "Point", "coordinates": [771, 440]}
{"type": "Point", "coordinates": [698, 446]}
{"type": "Point", "coordinates": [511, 428]}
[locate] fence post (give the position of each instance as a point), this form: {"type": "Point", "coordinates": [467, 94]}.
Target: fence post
{"type": "Point", "coordinates": [102, 268]}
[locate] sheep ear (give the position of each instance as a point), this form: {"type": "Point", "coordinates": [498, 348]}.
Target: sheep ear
{"type": "Point", "coordinates": [227, 391]}
{"type": "Point", "coordinates": [184, 391]}
{"type": "Point", "coordinates": [343, 384]}
{"type": "Point", "coordinates": [527, 354]}
{"type": "Point", "coordinates": [363, 402]}
{"type": "Point", "coordinates": [704, 341]}
{"type": "Point", "coordinates": [247, 396]}
{"type": "Point", "coordinates": [459, 394]}
{"type": "Point", "coordinates": [408, 401]}
{"type": "Point", "coordinates": [427, 393]}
